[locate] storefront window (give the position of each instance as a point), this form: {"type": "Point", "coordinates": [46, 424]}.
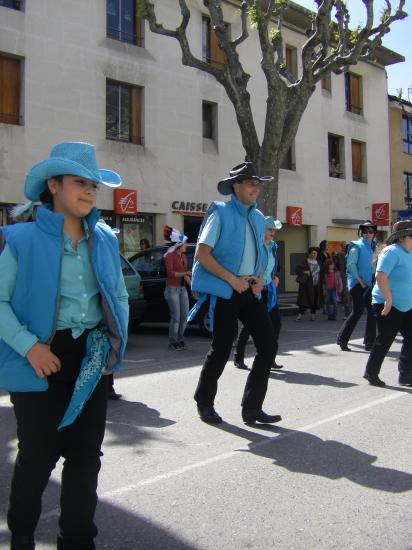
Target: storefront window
{"type": "Point", "coordinates": [132, 230]}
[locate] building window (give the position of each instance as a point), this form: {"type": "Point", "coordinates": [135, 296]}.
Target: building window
{"type": "Point", "coordinates": [123, 112]}
{"type": "Point", "coordinates": [291, 61]}
{"type": "Point", "coordinates": [211, 53]}
{"type": "Point", "coordinates": [123, 23]}
{"type": "Point", "coordinates": [336, 152]}
{"type": "Point", "coordinates": [407, 134]}
{"type": "Point", "coordinates": [209, 119]}
{"type": "Point", "coordinates": [326, 83]}
{"type": "Point", "coordinates": [353, 93]}
{"type": "Point", "coordinates": [10, 79]}
{"type": "Point", "coordinates": [13, 4]}
{"type": "Point", "coordinates": [407, 183]}
{"type": "Point", "coordinates": [288, 161]}
{"type": "Point", "coordinates": [359, 161]}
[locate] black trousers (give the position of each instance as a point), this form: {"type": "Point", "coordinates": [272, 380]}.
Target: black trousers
{"type": "Point", "coordinates": [360, 300]}
{"type": "Point", "coordinates": [388, 327]}
{"type": "Point", "coordinates": [254, 316]}
{"type": "Point", "coordinates": [243, 337]}
{"type": "Point", "coordinates": [40, 446]}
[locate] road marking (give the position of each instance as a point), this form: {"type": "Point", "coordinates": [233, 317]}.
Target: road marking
{"type": "Point", "coordinates": [223, 456]}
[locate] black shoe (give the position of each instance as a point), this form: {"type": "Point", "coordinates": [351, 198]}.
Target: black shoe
{"type": "Point", "coordinates": [182, 345]}
{"type": "Point", "coordinates": [405, 380]}
{"type": "Point", "coordinates": [368, 346]}
{"type": "Point", "coordinates": [208, 414]}
{"type": "Point", "coordinates": [174, 347]}
{"type": "Point", "coordinates": [250, 416]}
{"type": "Point", "coordinates": [343, 346]}
{"type": "Point", "coordinates": [374, 380]}
{"type": "Point", "coordinates": [22, 542]}
{"type": "Point", "coordinates": [240, 364]}
{"type": "Point", "coordinates": [114, 396]}
{"type": "Point", "coordinates": [275, 366]}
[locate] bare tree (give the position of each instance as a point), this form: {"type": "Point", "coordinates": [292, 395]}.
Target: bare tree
{"type": "Point", "coordinates": [331, 46]}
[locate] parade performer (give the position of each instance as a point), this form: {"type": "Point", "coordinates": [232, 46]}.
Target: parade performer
{"type": "Point", "coordinates": [178, 276]}
{"type": "Point", "coordinates": [360, 273]}
{"type": "Point", "coordinates": [226, 271]}
{"type": "Point", "coordinates": [63, 324]}
{"type": "Point", "coordinates": [392, 304]}
{"type": "Point", "coordinates": [269, 294]}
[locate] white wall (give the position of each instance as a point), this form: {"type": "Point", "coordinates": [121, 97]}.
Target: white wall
{"type": "Point", "coordinates": [67, 60]}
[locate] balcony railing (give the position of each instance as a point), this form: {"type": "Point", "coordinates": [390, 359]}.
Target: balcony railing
{"type": "Point", "coordinates": [11, 118]}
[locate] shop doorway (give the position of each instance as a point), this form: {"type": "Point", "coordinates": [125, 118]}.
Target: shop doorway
{"type": "Point", "coordinates": [191, 226]}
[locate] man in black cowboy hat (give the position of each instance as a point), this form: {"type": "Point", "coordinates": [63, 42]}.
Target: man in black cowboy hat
{"type": "Point", "coordinates": [360, 273]}
{"type": "Point", "coordinates": [226, 273]}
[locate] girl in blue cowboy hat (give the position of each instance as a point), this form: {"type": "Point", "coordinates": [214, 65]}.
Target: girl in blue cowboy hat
{"type": "Point", "coordinates": [63, 324]}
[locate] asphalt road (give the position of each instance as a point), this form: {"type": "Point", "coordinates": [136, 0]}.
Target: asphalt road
{"type": "Point", "coordinates": [336, 473]}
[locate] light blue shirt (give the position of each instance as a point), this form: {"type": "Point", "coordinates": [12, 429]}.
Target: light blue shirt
{"type": "Point", "coordinates": [396, 263]}
{"type": "Point", "coordinates": [267, 275]}
{"type": "Point", "coordinates": [210, 235]}
{"type": "Point", "coordinates": [79, 306]}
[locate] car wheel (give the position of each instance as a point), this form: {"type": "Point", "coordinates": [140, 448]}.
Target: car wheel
{"type": "Point", "coordinates": [203, 321]}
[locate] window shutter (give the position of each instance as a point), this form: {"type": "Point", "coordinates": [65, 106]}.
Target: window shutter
{"type": "Point", "coordinates": [139, 31]}
{"type": "Point", "coordinates": [356, 161]}
{"type": "Point", "coordinates": [216, 54]}
{"type": "Point", "coordinates": [136, 116]}
{"type": "Point", "coordinates": [9, 90]}
{"type": "Point", "coordinates": [355, 97]}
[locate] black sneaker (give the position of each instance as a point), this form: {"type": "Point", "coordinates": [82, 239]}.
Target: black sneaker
{"type": "Point", "coordinates": [182, 345]}
{"type": "Point", "coordinates": [250, 416]}
{"type": "Point", "coordinates": [174, 347]}
{"type": "Point", "coordinates": [209, 415]}
{"type": "Point", "coordinates": [374, 380]}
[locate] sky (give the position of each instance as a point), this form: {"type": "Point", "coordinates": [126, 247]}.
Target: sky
{"type": "Point", "coordinates": [398, 40]}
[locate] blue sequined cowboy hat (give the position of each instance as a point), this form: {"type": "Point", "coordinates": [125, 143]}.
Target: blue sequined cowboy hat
{"type": "Point", "coordinates": [272, 223]}
{"type": "Point", "coordinates": [69, 158]}
{"type": "Point", "coordinates": [243, 171]}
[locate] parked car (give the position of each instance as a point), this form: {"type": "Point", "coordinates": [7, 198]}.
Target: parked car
{"type": "Point", "coordinates": [151, 266]}
{"type": "Point", "coordinates": [137, 303]}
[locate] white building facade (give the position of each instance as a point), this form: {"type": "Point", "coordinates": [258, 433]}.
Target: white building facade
{"type": "Point", "coordinates": [90, 70]}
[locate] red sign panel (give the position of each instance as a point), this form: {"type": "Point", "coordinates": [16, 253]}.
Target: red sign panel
{"type": "Point", "coordinates": [125, 201]}
{"type": "Point", "coordinates": [294, 215]}
{"type": "Point", "coordinates": [380, 213]}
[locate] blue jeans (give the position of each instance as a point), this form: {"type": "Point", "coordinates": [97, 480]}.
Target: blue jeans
{"type": "Point", "coordinates": [331, 302]}
{"type": "Point", "coordinates": [178, 300]}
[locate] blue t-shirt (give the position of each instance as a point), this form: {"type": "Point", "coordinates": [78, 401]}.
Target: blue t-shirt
{"type": "Point", "coordinates": [396, 263]}
{"type": "Point", "coordinates": [210, 235]}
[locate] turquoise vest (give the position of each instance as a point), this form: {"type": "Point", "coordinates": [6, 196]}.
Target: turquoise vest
{"type": "Point", "coordinates": [228, 250]}
{"type": "Point", "coordinates": [38, 249]}
{"type": "Point", "coordinates": [365, 269]}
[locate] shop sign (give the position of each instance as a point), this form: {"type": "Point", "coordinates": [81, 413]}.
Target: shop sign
{"type": "Point", "coordinates": [294, 215]}
{"type": "Point", "coordinates": [125, 201]}
{"type": "Point", "coordinates": [404, 215]}
{"type": "Point", "coordinates": [380, 213]}
{"type": "Point", "coordinates": [130, 219]}
{"type": "Point", "coordinates": [182, 206]}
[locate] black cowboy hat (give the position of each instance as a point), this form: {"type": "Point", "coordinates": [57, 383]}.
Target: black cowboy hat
{"type": "Point", "coordinates": [244, 171]}
{"type": "Point", "coordinates": [367, 225]}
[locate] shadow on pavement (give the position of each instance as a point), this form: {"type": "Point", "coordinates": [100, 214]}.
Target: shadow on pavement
{"type": "Point", "coordinates": [306, 453]}
{"type": "Point", "coordinates": [125, 420]}
{"type": "Point", "coordinates": [308, 379]}
{"type": "Point", "coordinates": [118, 528]}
